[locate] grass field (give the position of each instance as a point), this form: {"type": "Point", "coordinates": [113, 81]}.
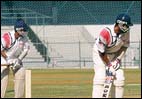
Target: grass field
{"type": "Point", "coordinates": [73, 83]}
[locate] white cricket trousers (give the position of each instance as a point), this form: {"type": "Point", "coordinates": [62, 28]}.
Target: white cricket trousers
{"type": "Point", "coordinates": [19, 81]}
{"type": "Point", "coordinates": [99, 79]}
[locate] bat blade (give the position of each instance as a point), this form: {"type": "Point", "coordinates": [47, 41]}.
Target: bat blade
{"type": "Point", "coordinates": [107, 86]}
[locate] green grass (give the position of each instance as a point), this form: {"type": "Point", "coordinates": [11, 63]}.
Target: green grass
{"type": "Point", "coordinates": [73, 83]}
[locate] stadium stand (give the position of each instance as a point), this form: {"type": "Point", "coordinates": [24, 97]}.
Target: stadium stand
{"type": "Point", "coordinates": [65, 40]}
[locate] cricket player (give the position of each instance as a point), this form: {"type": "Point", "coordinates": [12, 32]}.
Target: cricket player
{"type": "Point", "coordinates": [14, 47]}
{"type": "Point", "coordinates": [108, 51]}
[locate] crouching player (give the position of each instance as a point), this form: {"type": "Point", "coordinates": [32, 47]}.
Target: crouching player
{"type": "Point", "coordinates": [108, 51]}
{"type": "Point", "coordinates": [14, 48]}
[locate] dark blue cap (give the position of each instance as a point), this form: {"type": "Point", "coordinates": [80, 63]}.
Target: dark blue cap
{"type": "Point", "coordinates": [125, 18]}
{"type": "Point", "coordinates": [20, 24]}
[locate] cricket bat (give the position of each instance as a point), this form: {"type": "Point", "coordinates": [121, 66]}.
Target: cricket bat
{"type": "Point", "coordinates": [107, 85]}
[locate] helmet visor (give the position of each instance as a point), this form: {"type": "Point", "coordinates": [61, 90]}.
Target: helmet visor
{"type": "Point", "coordinates": [22, 31]}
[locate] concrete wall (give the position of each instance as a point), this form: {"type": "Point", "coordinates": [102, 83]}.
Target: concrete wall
{"type": "Point", "coordinates": [74, 31]}
{"type": "Point", "coordinates": [135, 31]}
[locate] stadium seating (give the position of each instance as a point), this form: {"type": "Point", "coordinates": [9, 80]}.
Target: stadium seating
{"type": "Point", "coordinates": [43, 20]}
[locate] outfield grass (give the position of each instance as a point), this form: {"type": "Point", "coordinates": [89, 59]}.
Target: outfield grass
{"type": "Point", "coordinates": [73, 83]}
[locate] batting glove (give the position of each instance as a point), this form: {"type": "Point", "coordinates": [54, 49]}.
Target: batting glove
{"type": "Point", "coordinates": [113, 66]}
{"type": "Point", "coordinates": [9, 61]}
{"type": "Point", "coordinates": [116, 64]}
{"type": "Point", "coordinates": [110, 70]}
{"type": "Point", "coordinates": [16, 63]}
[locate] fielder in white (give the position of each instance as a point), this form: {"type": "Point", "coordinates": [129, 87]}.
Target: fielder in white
{"type": "Point", "coordinates": [14, 47]}
{"type": "Point", "coordinates": [108, 51]}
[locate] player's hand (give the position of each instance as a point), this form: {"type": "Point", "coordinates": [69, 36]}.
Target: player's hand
{"type": "Point", "coordinates": [113, 66]}
{"type": "Point", "coordinates": [16, 63]}
{"type": "Point", "coordinates": [9, 61]}
{"type": "Point", "coordinates": [110, 70]}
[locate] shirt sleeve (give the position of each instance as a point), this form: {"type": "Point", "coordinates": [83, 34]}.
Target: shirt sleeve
{"type": "Point", "coordinates": [103, 40]}
{"type": "Point", "coordinates": [5, 41]}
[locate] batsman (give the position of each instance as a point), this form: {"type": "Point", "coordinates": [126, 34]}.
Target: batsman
{"type": "Point", "coordinates": [14, 48]}
{"type": "Point", "coordinates": [108, 50]}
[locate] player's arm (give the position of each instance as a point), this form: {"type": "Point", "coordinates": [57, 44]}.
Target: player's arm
{"type": "Point", "coordinates": [3, 46]}
{"type": "Point", "coordinates": [3, 54]}
{"type": "Point", "coordinates": [24, 52]}
{"type": "Point", "coordinates": [3, 51]}
{"type": "Point", "coordinates": [102, 42]}
{"type": "Point", "coordinates": [104, 58]}
{"type": "Point", "coordinates": [121, 52]}
{"type": "Point", "coordinates": [115, 64]}
{"type": "Point", "coordinates": [18, 61]}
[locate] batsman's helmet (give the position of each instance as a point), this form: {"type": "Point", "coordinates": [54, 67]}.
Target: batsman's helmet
{"type": "Point", "coordinates": [20, 26]}
{"type": "Point", "coordinates": [124, 21]}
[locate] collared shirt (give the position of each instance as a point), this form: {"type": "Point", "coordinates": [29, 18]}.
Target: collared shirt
{"type": "Point", "coordinates": [13, 47]}
{"type": "Point", "coordinates": [109, 42]}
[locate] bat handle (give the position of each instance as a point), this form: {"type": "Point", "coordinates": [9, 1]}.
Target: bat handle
{"type": "Point", "coordinates": [109, 73]}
